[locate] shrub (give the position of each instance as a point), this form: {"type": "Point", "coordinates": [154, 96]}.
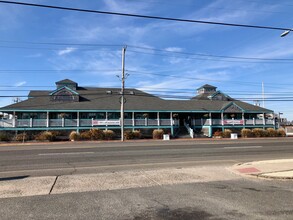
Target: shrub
{"type": "Point", "coordinates": [246, 133]}
{"type": "Point", "coordinates": [21, 137]}
{"type": "Point", "coordinates": [4, 136]}
{"type": "Point", "coordinates": [258, 132]}
{"type": "Point", "coordinates": [96, 134]}
{"type": "Point", "coordinates": [226, 133]}
{"type": "Point", "coordinates": [109, 134]}
{"type": "Point", "coordinates": [56, 133]}
{"type": "Point", "coordinates": [137, 134]}
{"type": "Point", "coordinates": [74, 136]}
{"type": "Point", "coordinates": [45, 136]}
{"type": "Point", "coordinates": [128, 135]}
{"type": "Point", "coordinates": [158, 134]}
{"type": "Point", "coordinates": [272, 132]}
{"type": "Point", "coordinates": [218, 133]}
{"type": "Point", "coordinates": [281, 132]}
{"type": "Point", "coordinates": [85, 135]}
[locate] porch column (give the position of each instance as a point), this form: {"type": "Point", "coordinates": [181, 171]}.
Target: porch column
{"type": "Point", "coordinates": [77, 121]}
{"type": "Point", "coordinates": [158, 118]}
{"type": "Point", "coordinates": [106, 120]}
{"type": "Point", "coordinates": [210, 116]}
{"type": "Point", "coordinates": [48, 120]}
{"type": "Point", "coordinates": [133, 119]}
{"type": "Point", "coordinates": [171, 123]}
{"type": "Point", "coordinates": [222, 118]}
{"type": "Point", "coordinates": [13, 120]}
{"type": "Point", "coordinates": [243, 118]}
{"type": "Point", "coordinates": [264, 119]}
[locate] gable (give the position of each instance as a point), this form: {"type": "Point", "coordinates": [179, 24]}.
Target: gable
{"type": "Point", "coordinates": [219, 96]}
{"type": "Point", "coordinates": [64, 94]}
{"type": "Point", "coordinates": [233, 108]}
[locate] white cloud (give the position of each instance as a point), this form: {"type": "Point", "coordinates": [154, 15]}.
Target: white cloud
{"type": "Point", "coordinates": [174, 49]}
{"type": "Point", "coordinates": [18, 84]}
{"type": "Point", "coordinates": [66, 51]}
{"type": "Point", "coordinates": [36, 55]}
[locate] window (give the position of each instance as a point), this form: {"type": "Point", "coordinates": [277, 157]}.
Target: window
{"type": "Point", "coordinates": [114, 115]}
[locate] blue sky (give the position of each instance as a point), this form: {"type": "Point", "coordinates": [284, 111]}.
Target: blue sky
{"type": "Point", "coordinates": [158, 55]}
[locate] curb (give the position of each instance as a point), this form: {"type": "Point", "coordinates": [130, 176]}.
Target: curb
{"type": "Point", "coordinates": [259, 169]}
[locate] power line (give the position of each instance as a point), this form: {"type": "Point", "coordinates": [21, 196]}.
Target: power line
{"type": "Point", "coordinates": [149, 95]}
{"type": "Point", "coordinates": [225, 9]}
{"type": "Point", "coordinates": [210, 55]}
{"type": "Point", "coordinates": [201, 79]}
{"type": "Point", "coordinates": [145, 16]}
{"type": "Point", "coordinates": [62, 44]}
{"type": "Point", "coordinates": [137, 47]}
{"type": "Point", "coordinates": [277, 61]}
{"type": "Point", "coordinates": [61, 70]}
{"type": "Point", "coordinates": [44, 48]}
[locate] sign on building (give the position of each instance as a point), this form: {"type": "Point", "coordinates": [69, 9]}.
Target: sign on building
{"type": "Point", "coordinates": [105, 123]}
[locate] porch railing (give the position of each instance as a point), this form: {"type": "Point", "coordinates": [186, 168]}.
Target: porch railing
{"type": "Point", "coordinates": [6, 123]}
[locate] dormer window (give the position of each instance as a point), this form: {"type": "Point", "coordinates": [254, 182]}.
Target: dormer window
{"type": "Point", "coordinates": [64, 94]}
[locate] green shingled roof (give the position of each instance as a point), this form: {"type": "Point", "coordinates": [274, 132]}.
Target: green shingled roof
{"type": "Point", "coordinates": [136, 100]}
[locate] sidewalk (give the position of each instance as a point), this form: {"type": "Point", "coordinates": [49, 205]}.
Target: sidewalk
{"type": "Point", "coordinates": [276, 169]}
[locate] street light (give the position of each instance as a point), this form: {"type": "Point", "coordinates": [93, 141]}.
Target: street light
{"type": "Point", "coordinates": [285, 33]}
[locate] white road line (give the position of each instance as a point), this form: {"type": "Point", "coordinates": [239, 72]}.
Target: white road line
{"type": "Point", "coordinates": [69, 153]}
{"type": "Point", "coordinates": [243, 147]}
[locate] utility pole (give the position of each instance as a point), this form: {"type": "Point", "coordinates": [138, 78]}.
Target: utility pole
{"type": "Point", "coordinates": [263, 94]}
{"type": "Point", "coordinates": [122, 94]}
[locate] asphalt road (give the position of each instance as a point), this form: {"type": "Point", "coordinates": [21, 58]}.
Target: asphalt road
{"type": "Point", "coordinates": [223, 196]}
{"type": "Point", "coordinates": [92, 157]}
{"type": "Point", "coordinates": [239, 199]}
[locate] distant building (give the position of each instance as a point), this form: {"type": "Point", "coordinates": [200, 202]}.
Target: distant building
{"type": "Point", "coordinates": [71, 107]}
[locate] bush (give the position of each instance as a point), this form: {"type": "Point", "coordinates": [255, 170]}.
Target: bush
{"type": "Point", "coordinates": [4, 136]}
{"type": "Point", "coordinates": [85, 135]}
{"type": "Point", "coordinates": [45, 136]}
{"type": "Point", "coordinates": [226, 133]}
{"type": "Point", "coordinates": [74, 136]}
{"type": "Point", "coordinates": [246, 133]}
{"type": "Point", "coordinates": [109, 134]}
{"type": "Point", "coordinates": [281, 132]}
{"type": "Point", "coordinates": [21, 137]}
{"type": "Point", "coordinates": [96, 134]}
{"type": "Point", "coordinates": [158, 134]}
{"type": "Point", "coordinates": [218, 133]}
{"type": "Point", "coordinates": [137, 134]}
{"type": "Point", "coordinates": [272, 132]}
{"type": "Point", "coordinates": [258, 132]}
{"type": "Point", "coordinates": [128, 135]}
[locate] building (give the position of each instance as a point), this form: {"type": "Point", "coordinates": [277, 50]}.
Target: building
{"type": "Point", "coordinates": [71, 107]}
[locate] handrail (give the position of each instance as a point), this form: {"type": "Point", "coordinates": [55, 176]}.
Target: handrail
{"type": "Point", "coordinates": [189, 129]}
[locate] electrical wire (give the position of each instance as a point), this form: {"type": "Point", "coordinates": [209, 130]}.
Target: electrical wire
{"type": "Point", "coordinates": [247, 60]}
{"type": "Point", "coordinates": [143, 94]}
{"type": "Point", "coordinates": [210, 55]}
{"type": "Point", "coordinates": [145, 16]}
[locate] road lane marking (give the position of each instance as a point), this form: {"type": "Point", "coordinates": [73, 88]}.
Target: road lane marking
{"type": "Point", "coordinates": [69, 153]}
{"type": "Point", "coordinates": [244, 147]}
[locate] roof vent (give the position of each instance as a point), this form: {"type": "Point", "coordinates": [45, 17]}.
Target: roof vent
{"type": "Point", "coordinates": [109, 92]}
